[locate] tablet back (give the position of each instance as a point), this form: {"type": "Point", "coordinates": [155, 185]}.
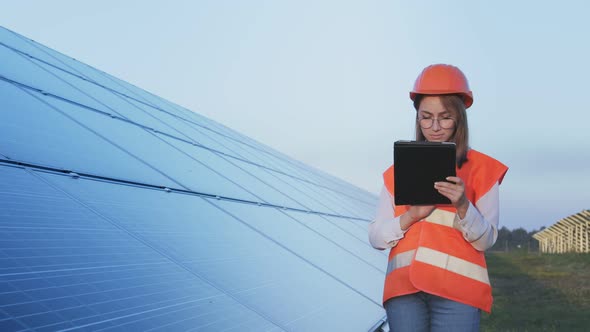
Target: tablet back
{"type": "Point", "coordinates": [417, 165]}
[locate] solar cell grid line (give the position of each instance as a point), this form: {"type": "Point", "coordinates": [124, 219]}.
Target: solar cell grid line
{"type": "Point", "coordinates": [351, 228]}
{"type": "Point", "coordinates": [329, 181]}
{"type": "Point", "coordinates": [283, 184]}
{"type": "Point", "coordinates": [22, 312]}
{"type": "Point", "coordinates": [363, 224]}
{"type": "Point", "coordinates": [14, 41]}
{"type": "Point", "coordinates": [125, 107]}
{"type": "Point", "coordinates": [142, 96]}
{"type": "Point", "coordinates": [69, 69]}
{"type": "Point", "coordinates": [255, 171]}
{"type": "Point", "coordinates": [36, 51]}
{"type": "Point", "coordinates": [245, 179]}
{"type": "Point", "coordinates": [156, 143]}
{"type": "Point", "coordinates": [109, 103]}
{"type": "Point", "coordinates": [121, 320]}
{"type": "Point", "coordinates": [311, 187]}
{"type": "Point", "coordinates": [334, 230]}
{"type": "Point", "coordinates": [316, 312]}
{"type": "Point", "coordinates": [31, 281]}
{"type": "Point", "coordinates": [10, 324]}
{"type": "Point", "coordinates": [26, 71]}
{"type": "Point", "coordinates": [279, 171]}
{"type": "Point", "coordinates": [160, 252]}
{"type": "Point", "coordinates": [90, 107]}
{"type": "Point", "coordinates": [277, 174]}
{"type": "Point", "coordinates": [151, 293]}
{"type": "Point", "coordinates": [285, 171]}
{"type": "Point", "coordinates": [293, 216]}
{"type": "Point", "coordinates": [338, 202]}
{"type": "Point", "coordinates": [68, 126]}
{"type": "Point", "coordinates": [173, 323]}
{"type": "Point", "coordinates": [122, 119]}
{"type": "Point", "coordinates": [236, 143]}
{"type": "Point", "coordinates": [248, 290]}
{"type": "Point", "coordinates": [135, 304]}
{"type": "Point", "coordinates": [189, 132]}
{"type": "Point", "coordinates": [342, 204]}
{"type": "Point", "coordinates": [83, 70]}
{"type": "Point", "coordinates": [200, 266]}
{"type": "Point", "coordinates": [228, 198]}
{"type": "Point", "coordinates": [115, 111]}
{"type": "Point", "coordinates": [243, 325]}
{"type": "Point", "coordinates": [257, 146]}
{"type": "Point", "coordinates": [222, 147]}
{"type": "Point", "coordinates": [146, 185]}
{"type": "Point", "coordinates": [319, 263]}
{"type": "Point", "coordinates": [73, 278]}
{"type": "Point", "coordinates": [336, 185]}
{"type": "Point", "coordinates": [330, 199]}
{"type": "Point", "coordinates": [306, 174]}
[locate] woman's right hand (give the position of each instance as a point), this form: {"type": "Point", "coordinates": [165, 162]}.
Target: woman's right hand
{"type": "Point", "coordinates": [415, 213]}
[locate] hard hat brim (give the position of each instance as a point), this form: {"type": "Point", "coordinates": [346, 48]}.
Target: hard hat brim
{"type": "Point", "coordinates": [466, 96]}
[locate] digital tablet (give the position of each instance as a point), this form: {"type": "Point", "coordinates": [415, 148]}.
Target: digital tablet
{"type": "Point", "coordinates": [417, 165]}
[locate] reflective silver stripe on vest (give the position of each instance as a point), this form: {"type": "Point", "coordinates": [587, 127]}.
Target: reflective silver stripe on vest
{"type": "Point", "coordinates": [453, 264]}
{"type": "Point", "coordinates": [441, 217]}
{"type": "Point", "coordinates": [400, 260]}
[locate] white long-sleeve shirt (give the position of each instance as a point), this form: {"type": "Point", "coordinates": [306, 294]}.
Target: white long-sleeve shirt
{"type": "Point", "coordinates": [479, 227]}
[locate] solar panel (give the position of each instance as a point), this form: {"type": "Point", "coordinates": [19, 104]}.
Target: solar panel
{"type": "Point", "coordinates": [64, 265]}
{"type": "Point", "coordinates": [120, 211]}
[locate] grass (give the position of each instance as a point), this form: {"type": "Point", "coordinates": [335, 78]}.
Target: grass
{"type": "Point", "coordinates": [535, 292]}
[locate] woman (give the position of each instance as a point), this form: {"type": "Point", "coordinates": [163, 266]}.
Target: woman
{"type": "Point", "coordinates": [436, 277]}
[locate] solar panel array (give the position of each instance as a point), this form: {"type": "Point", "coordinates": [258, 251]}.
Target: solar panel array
{"type": "Point", "coordinates": [570, 234]}
{"type": "Point", "coordinates": [120, 210]}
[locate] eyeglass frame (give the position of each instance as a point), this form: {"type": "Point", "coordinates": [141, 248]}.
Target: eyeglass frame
{"type": "Point", "coordinates": [419, 119]}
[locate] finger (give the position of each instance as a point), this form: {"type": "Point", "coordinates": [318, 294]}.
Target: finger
{"type": "Point", "coordinates": [446, 185]}
{"type": "Point", "coordinates": [452, 198]}
{"type": "Point", "coordinates": [450, 192]}
{"type": "Point", "coordinates": [454, 179]}
{"type": "Point", "coordinates": [447, 191]}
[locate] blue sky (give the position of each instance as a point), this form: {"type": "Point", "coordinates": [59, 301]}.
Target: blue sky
{"type": "Point", "coordinates": [327, 82]}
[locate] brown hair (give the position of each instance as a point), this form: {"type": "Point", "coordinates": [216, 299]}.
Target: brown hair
{"type": "Point", "coordinates": [453, 103]}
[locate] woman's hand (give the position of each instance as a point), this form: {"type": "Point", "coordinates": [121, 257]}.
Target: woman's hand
{"type": "Point", "coordinates": [455, 192]}
{"type": "Point", "coordinates": [415, 213]}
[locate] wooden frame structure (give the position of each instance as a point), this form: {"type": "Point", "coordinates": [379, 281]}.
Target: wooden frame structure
{"type": "Point", "coordinates": [570, 234]}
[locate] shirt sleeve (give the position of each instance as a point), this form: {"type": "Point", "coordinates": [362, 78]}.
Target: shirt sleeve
{"type": "Point", "coordinates": [385, 230]}
{"type": "Point", "coordinates": [480, 225]}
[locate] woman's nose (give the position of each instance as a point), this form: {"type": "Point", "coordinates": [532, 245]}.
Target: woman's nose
{"type": "Point", "coordinates": [436, 125]}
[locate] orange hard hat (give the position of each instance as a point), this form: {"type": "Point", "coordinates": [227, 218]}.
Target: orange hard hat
{"type": "Point", "coordinates": [441, 79]}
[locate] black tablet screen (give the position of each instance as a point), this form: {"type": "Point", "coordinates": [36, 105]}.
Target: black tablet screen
{"type": "Point", "coordinates": [417, 165]}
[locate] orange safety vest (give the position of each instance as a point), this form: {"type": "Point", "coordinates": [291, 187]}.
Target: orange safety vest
{"type": "Point", "coordinates": [433, 256]}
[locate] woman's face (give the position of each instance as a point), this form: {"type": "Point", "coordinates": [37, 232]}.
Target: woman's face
{"type": "Point", "coordinates": [437, 124]}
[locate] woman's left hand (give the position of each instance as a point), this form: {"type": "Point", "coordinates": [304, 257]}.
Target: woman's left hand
{"type": "Point", "coordinates": [455, 192]}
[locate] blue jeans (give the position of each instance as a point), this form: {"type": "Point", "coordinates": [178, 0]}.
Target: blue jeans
{"type": "Point", "coordinates": [423, 312]}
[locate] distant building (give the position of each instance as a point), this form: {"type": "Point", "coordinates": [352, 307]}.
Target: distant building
{"type": "Point", "coordinates": [122, 211]}
{"type": "Point", "coordinates": [570, 234]}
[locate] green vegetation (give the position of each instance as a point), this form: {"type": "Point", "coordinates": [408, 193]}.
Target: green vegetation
{"type": "Point", "coordinates": [535, 292]}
